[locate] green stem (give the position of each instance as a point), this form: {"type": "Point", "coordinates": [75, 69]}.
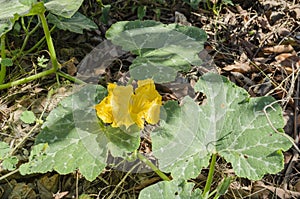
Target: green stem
{"type": "Point", "coordinates": [8, 174]}
{"type": "Point", "coordinates": [24, 138]}
{"type": "Point", "coordinates": [55, 64]}
{"type": "Point", "coordinates": [113, 193]}
{"type": "Point", "coordinates": [23, 25]}
{"type": "Point", "coordinates": [3, 55]}
{"type": "Point", "coordinates": [153, 167]}
{"type": "Point", "coordinates": [49, 41]}
{"type": "Point", "coordinates": [210, 175]}
{"type": "Point", "coordinates": [50, 93]}
{"type": "Point", "coordinates": [27, 79]}
{"type": "Point", "coordinates": [129, 81]}
{"type": "Point", "coordinates": [38, 43]}
{"type": "Point", "coordinates": [71, 78]}
{"type": "Point", "coordinates": [28, 34]}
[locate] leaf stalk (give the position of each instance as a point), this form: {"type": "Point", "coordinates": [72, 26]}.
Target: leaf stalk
{"type": "Point", "coordinates": [210, 175]}
{"type": "Point", "coordinates": [3, 55]}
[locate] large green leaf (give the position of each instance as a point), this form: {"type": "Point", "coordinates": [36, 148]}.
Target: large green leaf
{"type": "Point", "coordinates": [77, 139]}
{"type": "Point", "coordinates": [229, 123]}
{"type": "Point", "coordinates": [10, 12]}
{"type": "Point", "coordinates": [66, 8]}
{"type": "Point", "coordinates": [9, 8]}
{"type": "Point", "coordinates": [174, 189]}
{"type": "Point", "coordinates": [77, 23]}
{"type": "Point", "coordinates": [12, 9]}
{"type": "Point", "coordinates": [162, 50]}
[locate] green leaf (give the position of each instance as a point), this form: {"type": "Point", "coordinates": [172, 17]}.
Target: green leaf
{"type": "Point", "coordinates": [9, 8]}
{"type": "Point", "coordinates": [171, 189]}
{"type": "Point", "coordinates": [162, 50]}
{"type": "Point", "coordinates": [42, 61]}
{"type": "Point", "coordinates": [223, 187]}
{"type": "Point", "coordinates": [4, 150]}
{"type": "Point", "coordinates": [77, 139]}
{"type": "Point", "coordinates": [5, 26]}
{"type": "Point", "coordinates": [66, 8]}
{"type": "Point", "coordinates": [77, 23]}
{"type": "Point", "coordinates": [10, 12]}
{"type": "Point", "coordinates": [37, 157]}
{"type": "Point", "coordinates": [229, 123]}
{"type": "Point", "coordinates": [105, 14]}
{"type": "Point", "coordinates": [10, 163]}
{"type": "Point", "coordinates": [6, 61]}
{"type": "Point", "coordinates": [141, 12]}
{"type": "Point", "coordinates": [36, 9]}
{"type": "Point", "coordinates": [28, 117]}
{"type": "Point", "coordinates": [227, 2]}
{"type": "Point", "coordinates": [194, 3]}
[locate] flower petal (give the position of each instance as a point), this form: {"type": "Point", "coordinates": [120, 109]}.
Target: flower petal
{"type": "Point", "coordinates": [152, 116]}
{"type": "Point", "coordinates": [120, 106]}
{"type": "Point", "coordinates": [145, 104]}
{"type": "Point", "coordinates": [123, 107]}
{"type": "Point", "coordinates": [104, 109]}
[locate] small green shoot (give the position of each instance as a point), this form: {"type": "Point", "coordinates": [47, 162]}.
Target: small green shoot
{"type": "Point", "coordinates": [42, 61]}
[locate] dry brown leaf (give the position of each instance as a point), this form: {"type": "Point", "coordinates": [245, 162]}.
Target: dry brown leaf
{"type": "Point", "coordinates": [47, 185]}
{"type": "Point", "coordinates": [288, 61]}
{"type": "Point", "coordinates": [261, 60]}
{"type": "Point", "coordinates": [70, 66]}
{"type": "Point", "coordinates": [271, 3]}
{"type": "Point", "coordinates": [275, 17]}
{"type": "Point", "coordinates": [239, 67]}
{"type": "Point", "coordinates": [50, 183]}
{"type": "Point", "coordinates": [281, 193]}
{"type": "Point", "coordinates": [284, 32]}
{"type": "Point", "coordinates": [180, 90]}
{"type": "Point", "coordinates": [248, 46]}
{"type": "Point", "coordinates": [278, 49]}
{"type": "Point", "coordinates": [22, 190]}
{"type": "Point", "coordinates": [60, 195]}
{"type": "Point", "coordinates": [285, 56]}
{"type": "Point", "coordinates": [263, 23]}
{"type": "Point", "coordinates": [288, 116]}
{"type": "Point", "coordinates": [295, 12]}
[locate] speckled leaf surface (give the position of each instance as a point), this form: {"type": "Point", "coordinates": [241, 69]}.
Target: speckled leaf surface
{"type": "Point", "coordinates": [229, 123]}
{"type": "Point", "coordinates": [77, 23]}
{"type": "Point", "coordinates": [162, 50]}
{"type": "Point", "coordinates": [76, 139]}
{"type": "Point", "coordinates": [174, 189]}
{"type": "Point", "coordinates": [66, 8]}
{"type": "Point", "coordinates": [12, 9]}
{"type": "Point", "coordinates": [9, 12]}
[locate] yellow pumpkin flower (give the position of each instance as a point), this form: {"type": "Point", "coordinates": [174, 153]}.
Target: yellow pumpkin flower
{"type": "Point", "coordinates": [123, 107]}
